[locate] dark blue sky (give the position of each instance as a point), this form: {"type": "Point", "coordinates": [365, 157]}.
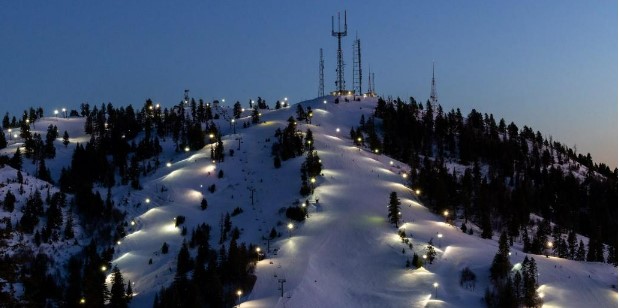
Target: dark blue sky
{"type": "Point", "coordinates": [550, 65]}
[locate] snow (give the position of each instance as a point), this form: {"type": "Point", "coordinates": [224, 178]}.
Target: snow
{"type": "Point", "coordinates": [345, 254]}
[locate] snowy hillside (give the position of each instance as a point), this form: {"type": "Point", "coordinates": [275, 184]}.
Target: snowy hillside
{"type": "Point", "coordinates": [345, 254]}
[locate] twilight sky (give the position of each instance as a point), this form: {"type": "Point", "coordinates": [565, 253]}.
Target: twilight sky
{"type": "Point", "coordinates": [550, 65]}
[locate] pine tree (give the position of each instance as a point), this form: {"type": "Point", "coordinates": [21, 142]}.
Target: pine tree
{"type": "Point", "coordinates": [117, 292]}
{"type": "Point", "coordinates": [501, 265]}
{"type": "Point", "coordinates": [3, 142]}
{"type": "Point", "coordinates": [16, 160]}
{"type": "Point", "coordinates": [65, 139]}
{"type": "Point", "coordinates": [203, 204]}
{"type": "Point", "coordinates": [9, 202]}
{"type": "Point", "coordinates": [571, 244]}
{"type": "Point", "coordinates": [580, 252]}
{"type": "Point", "coordinates": [394, 209]}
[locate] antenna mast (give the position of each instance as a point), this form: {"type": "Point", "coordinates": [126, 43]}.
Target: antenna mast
{"type": "Point", "coordinates": [433, 95]}
{"type": "Point", "coordinates": [186, 98]}
{"type": "Point", "coordinates": [356, 71]}
{"type": "Point", "coordinates": [339, 83]}
{"type": "Point", "coordinates": [321, 72]}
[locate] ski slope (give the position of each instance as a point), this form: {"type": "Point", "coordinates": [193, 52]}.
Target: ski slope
{"type": "Point", "coordinates": [345, 254]}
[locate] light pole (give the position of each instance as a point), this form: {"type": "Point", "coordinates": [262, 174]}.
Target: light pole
{"type": "Point", "coordinates": [10, 134]}
{"type": "Point", "coordinates": [64, 112]}
{"type": "Point", "coordinates": [446, 214]}
{"type": "Point", "coordinates": [549, 245]}
{"type": "Point", "coordinates": [56, 114]}
{"type": "Point", "coordinates": [239, 293]}
{"type": "Point", "coordinates": [435, 289]}
{"type": "Point", "coordinates": [233, 125]}
{"type": "Point", "coordinates": [313, 181]}
{"type": "Point", "coordinates": [440, 236]}
{"type": "Point", "coordinates": [290, 226]}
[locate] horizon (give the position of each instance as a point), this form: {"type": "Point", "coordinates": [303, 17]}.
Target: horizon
{"type": "Point", "coordinates": [552, 68]}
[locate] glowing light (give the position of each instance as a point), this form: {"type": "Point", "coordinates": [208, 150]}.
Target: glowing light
{"type": "Point", "coordinates": [211, 136]}
{"type": "Point", "coordinates": [324, 102]}
{"type": "Point", "coordinates": [391, 162]}
{"type": "Point", "coordinates": [446, 213]}
{"type": "Point", "coordinates": [186, 149]}
{"type": "Point", "coordinates": [313, 180]}
{"type": "Point", "coordinates": [404, 175]}
{"type": "Point", "coordinates": [376, 151]}
{"type": "Point", "coordinates": [15, 135]}
{"type": "Point", "coordinates": [290, 226]}
{"type": "Point", "coordinates": [82, 301]}
{"type": "Point", "coordinates": [258, 249]}
{"type": "Point", "coordinates": [337, 129]}
{"type": "Point", "coordinates": [549, 244]}
{"type": "Point", "coordinates": [118, 242]}
{"type": "Point", "coordinates": [133, 223]}
{"type": "Point", "coordinates": [440, 235]}
{"type": "Point", "coordinates": [103, 268]}
{"type": "Point", "coordinates": [56, 112]}
{"type": "Point", "coordinates": [417, 192]}
{"type": "Point", "coordinates": [239, 292]}
{"type": "Point", "coordinates": [168, 164]}
{"type": "Point", "coordinates": [147, 200]}
{"type": "Point", "coordinates": [435, 284]}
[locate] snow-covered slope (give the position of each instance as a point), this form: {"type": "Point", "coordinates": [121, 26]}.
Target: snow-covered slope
{"type": "Point", "coordinates": [345, 254]}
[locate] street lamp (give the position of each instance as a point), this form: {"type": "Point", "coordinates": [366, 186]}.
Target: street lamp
{"type": "Point", "coordinates": [404, 175]}
{"type": "Point", "coordinates": [82, 301]}
{"type": "Point", "coordinates": [446, 214]}
{"type": "Point", "coordinates": [10, 135]}
{"type": "Point", "coordinates": [435, 289]}
{"type": "Point", "coordinates": [186, 149]}
{"type": "Point", "coordinates": [239, 293]}
{"type": "Point", "coordinates": [233, 125]}
{"type": "Point", "coordinates": [147, 200]}
{"type": "Point", "coordinates": [417, 191]}
{"type": "Point", "coordinates": [168, 164]}
{"type": "Point", "coordinates": [64, 112]}
{"type": "Point", "coordinates": [440, 236]}
{"type": "Point", "coordinates": [103, 268]}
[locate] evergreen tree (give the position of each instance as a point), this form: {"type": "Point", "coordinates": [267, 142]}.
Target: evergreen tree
{"type": "Point", "coordinates": [16, 160]}
{"type": "Point", "coordinates": [3, 142]}
{"type": "Point", "coordinates": [203, 204]}
{"type": "Point", "coordinates": [9, 202]}
{"type": "Point", "coordinates": [580, 252]}
{"type": "Point", "coordinates": [65, 139]}
{"type": "Point", "coordinates": [394, 209]}
{"type": "Point", "coordinates": [118, 298]}
{"type": "Point", "coordinates": [501, 265]}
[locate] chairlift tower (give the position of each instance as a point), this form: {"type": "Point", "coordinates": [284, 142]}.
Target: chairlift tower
{"type": "Point", "coordinates": [339, 83]}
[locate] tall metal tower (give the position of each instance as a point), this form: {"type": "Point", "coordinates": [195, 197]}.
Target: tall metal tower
{"type": "Point", "coordinates": [356, 70]}
{"type": "Point", "coordinates": [321, 73]}
{"type": "Point", "coordinates": [339, 83]}
{"type": "Point", "coordinates": [433, 95]}
{"type": "Point", "coordinates": [370, 90]}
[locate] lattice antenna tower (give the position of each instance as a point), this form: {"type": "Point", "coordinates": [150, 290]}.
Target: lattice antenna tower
{"type": "Point", "coordinates": [321, 73]}
{"type": "Point", "coordinates": [433, 94]}
{"type": "Point", "coordinates": [370, 90]}
{"type": "Point", "coordinates": [356, 70]}
{"type": "Point", "coordinates": [339, 83]}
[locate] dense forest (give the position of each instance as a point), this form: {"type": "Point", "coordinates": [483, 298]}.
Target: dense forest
{"type": "Point", "coordinates": [495, 175]}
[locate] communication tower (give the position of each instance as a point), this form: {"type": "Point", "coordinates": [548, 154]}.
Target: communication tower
{"type": "Point", "coordinates": [356, 70]}
{"type": "Point", "coordinates": [340, 84]}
